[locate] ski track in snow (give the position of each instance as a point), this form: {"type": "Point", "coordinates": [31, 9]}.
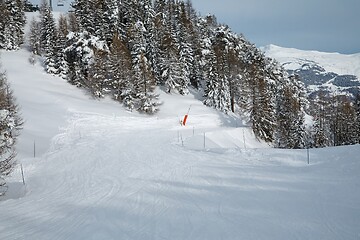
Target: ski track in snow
{"type": "Point", "coordinates": [104, 173]}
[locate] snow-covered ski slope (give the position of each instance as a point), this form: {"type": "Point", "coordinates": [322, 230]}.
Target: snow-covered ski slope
{"type": "Point", "coordinates": [101, 172]}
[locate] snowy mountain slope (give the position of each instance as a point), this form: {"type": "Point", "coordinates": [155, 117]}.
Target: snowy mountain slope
{"type": "Point", "coordinates": [101, 172]}
{"type": "Point", "coordinates": [293, 59]}
{"type": "Point", "coordinates": [330, 71]}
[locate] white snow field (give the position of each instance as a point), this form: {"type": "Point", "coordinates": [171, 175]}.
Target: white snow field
{"type": "Point", "coordinates": [100, 172]}
{"type": "Point", "coordinates": [293, 59]}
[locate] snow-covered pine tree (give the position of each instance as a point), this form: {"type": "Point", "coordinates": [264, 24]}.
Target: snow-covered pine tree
{"type": "Point", "coordinates": [84, 11]}
{"type": "Point", "coordinates": [203, 49]}
{"type": "Point", "coordinates": [159, 6]}
{"type": "Point", "coordinates": [29, 7]}
{"type": "Point", "coordinates": [130, 12]}
{"type": "Point", "coordinates": [299, 136]}
{"type": "Point", "coordinates": [172, 71]}
{"type": "Point", "coordinates": [48, 34]}
{"type": "Point", "coordinates": [19, 18]}
{"type": "Point", "coordinates": [217, 93]}
{"type": "Point", "coordinates": [98, 19]}
{"type": "Point", "coordinates": [170, 66]}
{"type": "Point", "coordinates": [105, 19]}
{"type": "Point", "coordinates": [167, 66]}
{"type": "Point", "coordinates": [212, 84]}
{"type": "Point", "coordinates": [194, 39]}
{"type": "Point", "coordinates": [143, 81]}
{"type": "Point", "coordinates": [145, 89]}
{"type": "Point", "coordinates": [62, 32]}
{"type": "Point", "coordinates": [3, 21]}
{"type": "Point", "coordinates": [229, 63]}
{"type": "Point", "coordinates": [34, 40]}
{"type": "Point", "coordinates": [12, 24]}
{"type": "Point", "coordinates": [186, 53]}
{"type": "Point", "coordinates": [153, 42]}
{"type": "Point", "coordinates": [157, 45]}
{"type": "Point", "coordinates": [79, 55]}
{"type": "Point", "coordinates": [262, 108]}
{"type": "Point", "coordinates": [244, 83]}
{"type": "Point", "coordinates": [47, 28]}
{"type": "Point", "coordinates": [98, 80]}
{"type": "Point", "coordinates": [10, 124]}
{"type": "Point", "coordinates": [110, 20]}
{"type": "Point", "coordinates": [290, 129]}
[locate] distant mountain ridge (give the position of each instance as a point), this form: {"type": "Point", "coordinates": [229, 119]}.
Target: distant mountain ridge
{"type": "Point", "coordinates": [332, 72]}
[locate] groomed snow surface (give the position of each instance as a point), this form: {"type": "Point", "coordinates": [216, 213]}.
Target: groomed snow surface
{"type": "Point", "coordinates": [100, 172]}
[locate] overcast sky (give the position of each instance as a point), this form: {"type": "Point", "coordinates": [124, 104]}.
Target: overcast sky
{"type": "Point", "coordinates": [324, 25]}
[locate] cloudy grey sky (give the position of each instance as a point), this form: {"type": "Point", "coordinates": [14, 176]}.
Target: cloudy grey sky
{"type": "Point", "coordinates": [324, 25]}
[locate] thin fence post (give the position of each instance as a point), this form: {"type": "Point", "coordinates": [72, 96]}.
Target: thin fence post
{"type": "Point", "coordinates": [34, 149]}
{"type": "Point", "coordinates": [22, 174]}
{"type": "Point", "coordinates": [204, 140]}
{"type": "Point", "coordinates": [244, 139]}
{"type": "Point", "coordinates": [308, 155]}
{"type": "Point", "coordinates": [182, 141]}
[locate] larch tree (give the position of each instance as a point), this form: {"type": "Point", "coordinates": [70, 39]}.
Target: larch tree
{"type": "Point", "coordinates": [120, 69]}
{"type": "Point", "coordinates": [10, 125]}
{"type": "Point", "coordinates": [344, 122]}
{"type": "Point", "coordinates": [357, 117]}
{"type": "Point", "coordinates": [322, 129]}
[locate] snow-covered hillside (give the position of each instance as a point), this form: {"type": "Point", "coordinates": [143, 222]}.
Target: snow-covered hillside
{"type": "Point", "coordinates": [293, 59]}
{"type": "Point", "coordinates": [333, 72]}
{"type": "Point", "coordinates": [101, 172]}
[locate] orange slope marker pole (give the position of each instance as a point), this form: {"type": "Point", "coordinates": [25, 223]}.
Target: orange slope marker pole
{"type": "Point", "coordinates": [186, 116]}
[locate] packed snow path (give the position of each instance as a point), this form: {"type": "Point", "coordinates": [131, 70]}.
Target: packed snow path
{"type": "Point", "coordinates": [109, 174]}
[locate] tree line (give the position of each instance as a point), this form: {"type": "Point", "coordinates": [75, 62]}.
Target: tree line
{"type": "Point", "coordinates": [336, 119]}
